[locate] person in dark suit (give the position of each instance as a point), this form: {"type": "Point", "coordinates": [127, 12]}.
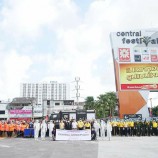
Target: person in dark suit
{"type": "Point", "coordinates": [54, 134]}
{"type": "Point", "coordinates": [93, 134]}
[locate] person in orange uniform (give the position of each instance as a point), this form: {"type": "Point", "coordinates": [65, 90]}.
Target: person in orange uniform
{"type": "Point", "coordinates": [23, 127]}
{"type": "Point", "coordinates": [18, 129]}
{"type": "Point", "coordinates": [2, 129]}
{"type": "Point", "coordinates": [7, 128]}
{"type": "Point", "coordinates": [11, 129]}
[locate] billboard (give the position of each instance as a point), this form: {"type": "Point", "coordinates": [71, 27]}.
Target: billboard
{"type": "Point", "coordinates": [135, 56]}
{"type": "Point", "coordinates": [20, 113]}
{"type": "Point", "coordinates": [138, 76]}
{"type": "Point", "coordinates": [136, 53]}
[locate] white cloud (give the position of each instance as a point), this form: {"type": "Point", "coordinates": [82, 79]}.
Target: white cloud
{"type": "Point", "coordinates": [22, 18]}
{"type": "Point", "coordinates": [15, 69]}
{"type": "Point", "coordinates": [27, 18]}
{"type": "Point", "coordinates": [82, 47]}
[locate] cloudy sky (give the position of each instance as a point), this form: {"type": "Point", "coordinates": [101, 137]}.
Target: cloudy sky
{"type": "Point", "coordinates": [57, 40]}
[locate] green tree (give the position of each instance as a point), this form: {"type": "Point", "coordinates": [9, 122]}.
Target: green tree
{"type": "Point", "coordinates": [111, 103]}
{"type": "Point", "coordinates": [89, 103]}
{"type": "Point", "coordinates": [100, 111]}
{"type": "Point", "coordinates": [106, 104]}
{"type": "Point", "coordinates": [102, 105]}
{"type": "Point", "coordinates": [155, 111]}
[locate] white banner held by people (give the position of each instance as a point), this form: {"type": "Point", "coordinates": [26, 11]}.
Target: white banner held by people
{"type": "Point", "coordinates": [73, 134]}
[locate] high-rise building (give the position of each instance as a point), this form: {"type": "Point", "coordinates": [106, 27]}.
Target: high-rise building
{"type": "Point", "coordinates": [45, 90]}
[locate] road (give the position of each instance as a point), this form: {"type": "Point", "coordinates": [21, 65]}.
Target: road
{"type": "Point", "coordinates": [118, 147]}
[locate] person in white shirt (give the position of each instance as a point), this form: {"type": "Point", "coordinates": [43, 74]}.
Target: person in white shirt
{"type": "Point", "coordinates": [109, 129]}
{"type": "Point", "coordinates": [43, 129]}
{"type": "Point", "coordinates": [96, 127]}
{"type": "Point", "coordinates": [36, 129]}
{"type": "Point", "coordinates": [50, 127]}
{"type": "Point", "coordinates": [102, 129]}
{"type": "Point", "coordinates": [74, 124]}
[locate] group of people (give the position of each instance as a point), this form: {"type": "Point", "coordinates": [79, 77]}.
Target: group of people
{"type": "Point", "coordinates": [102, 129]}
{"type": "Point", "coordinates": [43, 128]}
{"type": "Point", "coordinates": [99, 129]}
{"type": "Point", "coordinates": [9, 128]}
{"type": "Point", "coordinates": [135, 128]}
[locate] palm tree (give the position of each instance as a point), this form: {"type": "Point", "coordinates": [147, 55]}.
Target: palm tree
{"type": "Point", "coordinates": [107, 103]}
{"type": "Point", "coordinates": [89, 103]}
{"type": "Point", "coordinates": [112, 101]}
{"type": "Point", "coordinates": [102, 102]}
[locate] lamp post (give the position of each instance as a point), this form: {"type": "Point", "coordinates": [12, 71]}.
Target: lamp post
{"type": "Point", "coordinates": [32, 106]}
{"type": "Point", "coordinates": [32, 112]}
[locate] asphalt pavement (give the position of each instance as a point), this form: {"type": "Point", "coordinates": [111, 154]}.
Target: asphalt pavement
{"type": "Point", "coordinates": [118, 147]}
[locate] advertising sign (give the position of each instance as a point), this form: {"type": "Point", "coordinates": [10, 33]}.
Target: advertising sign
{"type": "Point", "coordinates": [73, 134]}
{"type": "Point", "coordinates": [136, 52]}
{"type": "Point", "coordinates": [37, 111]}
{"type": "Point", "coordinates": [20, 113]}
{"type": "Point", "coordinates": [139, 76]}
{"type": "Point", "coordinates": [133, 116]}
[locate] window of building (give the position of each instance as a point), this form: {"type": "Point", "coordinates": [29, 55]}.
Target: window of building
{"type": "Point", "coordinates": [2, 112]}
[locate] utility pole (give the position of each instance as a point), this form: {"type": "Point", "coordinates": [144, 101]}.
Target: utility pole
{"type": "Point", "coordinates": [77, 88]}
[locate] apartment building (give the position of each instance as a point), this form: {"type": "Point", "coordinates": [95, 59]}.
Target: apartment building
{"type": "Point", "coordinates": [45, 91]}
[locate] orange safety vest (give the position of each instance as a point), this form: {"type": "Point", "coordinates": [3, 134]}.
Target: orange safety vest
{"type": "Point", "coordinates": [18, 127]}
{"type": "Point", "coordinates": [11, 127]}
{"type": "Point", "coordinates": [23, 127]}
{"type": "Point", "coordinates": [2, 127]}
{"type": "Point", "coordinates": [7, 127]}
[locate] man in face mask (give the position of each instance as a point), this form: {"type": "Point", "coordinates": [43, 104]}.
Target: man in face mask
{"type": "Point", "coordinates": [102, 129]}
{"type": "Point", "coordinates": [43, 130]}
{"type": "Point", "coordinates": [36, 129]}
{"type": "Point", "coordinates": [109, 129]}
{"type": "Point", "coordinates": [74, 124]}
{"type": "Point", "coordinates": [50, 127]}
{"type": "Point", "coordinates": [93, 134]}
{"type": "Point", "coordinates": [96, 126]}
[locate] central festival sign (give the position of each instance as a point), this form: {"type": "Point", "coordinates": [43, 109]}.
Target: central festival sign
{"type": "Point", "coordinates": [136, 53]}
{"type": "Point", "coordinates": [135, 56]}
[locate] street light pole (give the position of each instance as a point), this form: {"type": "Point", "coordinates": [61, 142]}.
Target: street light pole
{"type": "Point", "coordinates": [32, 112]}
{"type": "Point", "coordinates": [77, 79]}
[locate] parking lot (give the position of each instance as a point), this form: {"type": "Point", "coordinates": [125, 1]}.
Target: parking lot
{"type": "Point", "coordinates": [118, 147]}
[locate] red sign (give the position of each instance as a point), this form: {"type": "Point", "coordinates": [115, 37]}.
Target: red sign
{"type": "Point", "coordinates": [154, 57]}
{"type": "Point", "coordinates": [139, 86]}
{"type": "Point", "coordinates": [124, 55]}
